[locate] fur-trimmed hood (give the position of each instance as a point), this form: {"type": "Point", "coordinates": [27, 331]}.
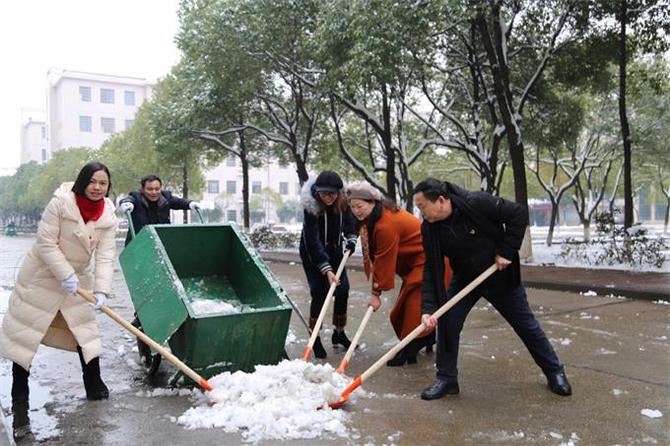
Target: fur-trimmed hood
{"type": "Point", "coordinates": [308, 200]}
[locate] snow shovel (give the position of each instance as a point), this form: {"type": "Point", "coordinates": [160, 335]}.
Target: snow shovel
{"type": "Point", "coordinates": [326, 304]}
{"type": "Point", "coordinates": [354, 342]}
{"type": "Point", "coordinates": [202, 382]}
{"type": "Point", "coordinates": [344, 397]}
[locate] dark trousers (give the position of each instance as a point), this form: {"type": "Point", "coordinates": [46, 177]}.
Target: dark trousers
{"type": "Point", "coordinates": [513, 306]}
{"type": "Point", "coordinates": [318, 289]}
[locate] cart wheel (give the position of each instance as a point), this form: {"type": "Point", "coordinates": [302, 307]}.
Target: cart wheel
{"type": "Point", "coordinates": [150, 362]}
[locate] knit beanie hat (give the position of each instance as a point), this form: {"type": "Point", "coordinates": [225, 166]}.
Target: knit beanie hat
{"type": "Point", "coordinates": [363, 191]}
{"type": "Point", "coordinates": [328, 181]}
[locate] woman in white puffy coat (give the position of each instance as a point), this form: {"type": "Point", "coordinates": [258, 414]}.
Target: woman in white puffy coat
{"type": "Point", "coordinates": [75, 247]}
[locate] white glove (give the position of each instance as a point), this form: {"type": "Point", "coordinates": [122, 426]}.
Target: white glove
{"type": "Point", "coordinates": [127, 206]}
{"type": "Point", "coordinates": [70, 284]}
{"type": "Point", "coordinates": [101, 299]}
{"type": "Point", "coordinates": [193, 205]}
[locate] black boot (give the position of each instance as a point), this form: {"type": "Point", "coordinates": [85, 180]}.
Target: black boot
{"type": "Point", "coordinates": [559, 384]}
{"type": "Point", "coordinates": [339, 337]}
{"type": "Point", "coordinates": [318, 349]}
{"type": "Point", "coordinates": [440, 388]}
{"type": "Point", "coordinates": [398, 360]}
{"type": "Point", "coordinates": [20, 402]}
{"type": "Point", "coordinates": [95, 387]}
{"type": "Point", "coordinates": [21, 421]}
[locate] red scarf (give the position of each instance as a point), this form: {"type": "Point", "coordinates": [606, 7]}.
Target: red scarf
{"type": "Point", "coordinates": [89, 209]}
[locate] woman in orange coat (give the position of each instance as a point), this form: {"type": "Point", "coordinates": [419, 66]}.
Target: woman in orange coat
{"type": "Point", "coordinates": [391, 243]}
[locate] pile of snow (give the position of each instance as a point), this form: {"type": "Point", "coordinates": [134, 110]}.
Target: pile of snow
{"type": "Point", "coordinates": [275, 402]}
{"type": "Point", "coordinates": [209, 306]}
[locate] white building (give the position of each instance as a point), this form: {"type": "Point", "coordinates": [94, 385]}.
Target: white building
{"type": "Point", "coordinates": [84, 109]}
{"type": "Point", "coordinates": [274, 193]}
{"type": "Point", "coordinates": [33, 137]}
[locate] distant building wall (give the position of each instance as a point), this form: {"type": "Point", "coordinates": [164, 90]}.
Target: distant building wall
{"type": "Point", "coordinates": [34, 142]}
{"type": "Point", "coordinates": [223, 186]}
{"type": "Point", "coordinates": [84, 109]}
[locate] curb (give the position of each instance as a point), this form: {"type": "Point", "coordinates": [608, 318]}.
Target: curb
{"type": "Point", "coordinates": [635, 285]}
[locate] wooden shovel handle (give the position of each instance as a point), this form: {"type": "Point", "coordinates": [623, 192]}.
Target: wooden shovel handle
{"type": "Point", "coordinates": [326, 304]}
{"type": "Point", "coordinates": [202, 382]}
{"type": "Point", "coordinates": [354, 342]}
{"type": "Point", "coordinates": [418, 330]}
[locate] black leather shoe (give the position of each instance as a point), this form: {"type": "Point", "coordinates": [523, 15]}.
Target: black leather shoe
{"type": "Point", "coordinates": [318, 349]}
{"type": "Point", "coordinates": [558, 383]}
{"type": "Point", "coordinates": [440, 388]}
{"type": "Point", "coordinates": [339, 337]}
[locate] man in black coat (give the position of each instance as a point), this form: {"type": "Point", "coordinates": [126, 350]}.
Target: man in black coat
{"type": "Point", "coordinates": [474, 230]}
{"type": "Point", "coordinates": [151, 204]}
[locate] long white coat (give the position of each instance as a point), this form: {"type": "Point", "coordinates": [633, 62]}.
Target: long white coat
{"type": "Point", "coordinates": [40, 311]}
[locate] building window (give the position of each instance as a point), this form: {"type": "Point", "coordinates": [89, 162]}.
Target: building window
{"type": "Point", "coordinates": [85, 124]}
{"type": "Point", "coordinates": [44, 132]}
{"type": "Point", "coordinates": [44, 155]}
{"type": "Point", "coordinates": [231, 187]}
{"type": "Point", "coordinates": [283, 188]}
{"type": "Point", "coordinates": [256, 187]}
{"type": "Point", "coordinates": [230, 161]}
{"type": "Point", "coordinates": [231, 215]}
{"type": "Point", "coordinates": [212, 186]}
{"type": "Point", "coordinates": [85, 94]}
{"type": "Point", "coordinates": [129, 122]}
{"type": "Point", "coordinates": [107, 125]}
{"type": "Point", "coordinates": [106, 95]}
{"type": "Point", "coordinates": [129, 97]}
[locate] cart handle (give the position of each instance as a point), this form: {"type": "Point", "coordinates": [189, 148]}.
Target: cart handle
{"type": "Point", "coordinates": [131, 228]}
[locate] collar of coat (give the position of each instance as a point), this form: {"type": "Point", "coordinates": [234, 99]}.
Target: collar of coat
{"type": "Point", "coordinates": [162, 200]}
{"type": "Point", "coordinates": [308, 200]}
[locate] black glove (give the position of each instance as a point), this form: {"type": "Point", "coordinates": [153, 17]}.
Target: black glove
{"type": "Point", "coordinates": [351, 246]}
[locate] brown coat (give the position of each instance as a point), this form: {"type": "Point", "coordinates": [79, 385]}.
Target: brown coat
{"type": "Point", "coordinates": [40, 311]}
{"type": "Point", "coordinates": [398, 250]}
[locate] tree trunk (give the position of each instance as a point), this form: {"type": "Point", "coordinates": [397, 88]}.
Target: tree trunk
{"type": "Point", "coordinates": [245, 180]}
{"type": "Point", "coordinates": [552, 222]}
{"type": "Point", "coordinates": [301, 170]}
{"type": "Point", "coordinates": [667, 215]}
{"type": "Point", "coordinates": [184, 186]}
{"type": "Point", "coordinates": [625, 129]}
{"type": "Point", "coordinates": [496, 50]}
{"type": "Point", "coordinates": [587, 230]}
{"type": "Point", "coordinates": [388, 146]}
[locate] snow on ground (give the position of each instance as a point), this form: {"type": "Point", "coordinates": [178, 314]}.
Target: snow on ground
{"type": "Point", "coordinates": [651, 413]}
{"type": "Point", "coordinates": [275, 402]}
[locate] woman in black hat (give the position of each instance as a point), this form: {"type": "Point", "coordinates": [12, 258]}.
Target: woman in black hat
{"type": "Point", "coordinates": [328, 223]}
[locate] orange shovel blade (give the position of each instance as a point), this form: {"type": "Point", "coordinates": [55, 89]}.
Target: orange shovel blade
{"type": "Point", "coordinates": [344, 397]}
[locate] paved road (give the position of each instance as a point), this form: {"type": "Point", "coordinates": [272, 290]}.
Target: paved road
{"type": "Point", "coordinates": [616, 350]}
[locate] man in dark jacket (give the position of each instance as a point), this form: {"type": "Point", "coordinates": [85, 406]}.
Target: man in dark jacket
{"type": "Point", "coordinates": [151, 204]}
{"type": "Point", "coordinates": [476, 229]}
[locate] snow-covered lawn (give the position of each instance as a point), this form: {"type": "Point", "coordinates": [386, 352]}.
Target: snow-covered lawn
{"type": "Point", "coordinates": [543, 254]}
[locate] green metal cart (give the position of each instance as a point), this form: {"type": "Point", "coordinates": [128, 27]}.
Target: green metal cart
{"type": "Point", "coordinates": [204, 290]}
